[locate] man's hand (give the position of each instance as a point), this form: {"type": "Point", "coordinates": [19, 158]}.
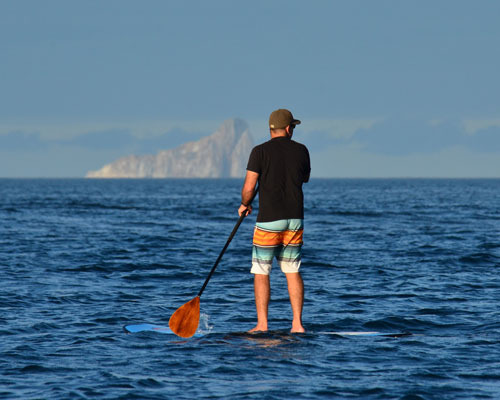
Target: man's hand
{"type": "Point", "coordinates": [243, 208]}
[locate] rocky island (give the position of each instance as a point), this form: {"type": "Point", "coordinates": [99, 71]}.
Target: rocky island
{"type": "Point", "coordinates": [224, 154]}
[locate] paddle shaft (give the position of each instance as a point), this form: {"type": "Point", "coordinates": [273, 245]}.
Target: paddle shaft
{"type": "Point", "coordinates": [240, 220]}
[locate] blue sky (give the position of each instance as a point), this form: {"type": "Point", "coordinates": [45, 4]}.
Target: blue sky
{"type": "Point", "coordinates": [384, 88]}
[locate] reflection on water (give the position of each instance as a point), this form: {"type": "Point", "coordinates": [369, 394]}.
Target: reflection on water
{"type": "Point", "coordinates": [265, 339]}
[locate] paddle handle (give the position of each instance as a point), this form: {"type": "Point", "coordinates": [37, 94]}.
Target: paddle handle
{"type": "Point", "coordinates": [240, 220]}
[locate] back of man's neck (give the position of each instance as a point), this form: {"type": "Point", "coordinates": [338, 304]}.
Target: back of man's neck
{"type": "Point", "coordinates": [278, 135]}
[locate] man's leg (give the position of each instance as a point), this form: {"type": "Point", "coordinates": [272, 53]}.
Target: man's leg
{"type": "Point", "coordinates": [262, 288]}
{"type": "Point", "coordinates": [296, 293]}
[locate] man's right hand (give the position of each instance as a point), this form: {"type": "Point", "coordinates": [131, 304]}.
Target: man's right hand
{"type": "Point", "coordinates": [243, 208]}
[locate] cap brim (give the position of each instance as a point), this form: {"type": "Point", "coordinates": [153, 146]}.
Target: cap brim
{"type": "Point", "coordinates": [295, 122]}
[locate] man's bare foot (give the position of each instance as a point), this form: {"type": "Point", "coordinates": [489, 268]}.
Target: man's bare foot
{"type": "Point", "coordinates": [297, 329]}
{"type": "Point", "coordinates": [258, 329]}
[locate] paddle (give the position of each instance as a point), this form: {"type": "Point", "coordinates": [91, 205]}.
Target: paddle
{"type": "Point", "coordinates": [185, 320]}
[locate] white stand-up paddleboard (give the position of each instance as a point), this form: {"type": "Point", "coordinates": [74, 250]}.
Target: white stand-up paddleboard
{"type": "Point", "coordinates": [165, 329]}
{"type": "Point", "coordinates": [387, 334]}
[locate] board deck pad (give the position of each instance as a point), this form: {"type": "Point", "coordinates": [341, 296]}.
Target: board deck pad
{"type": "Point", "coordinates": [165, 329]}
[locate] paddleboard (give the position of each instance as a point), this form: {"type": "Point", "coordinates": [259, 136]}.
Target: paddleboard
{"type": "Point", "coordinates": [147, 328]}
{"type": "Point", "coordinates": [165, 329]}
{"type": "Point", "coordinates": [386, 334]}
{"type": "Point", "coordinates": [153, 328]}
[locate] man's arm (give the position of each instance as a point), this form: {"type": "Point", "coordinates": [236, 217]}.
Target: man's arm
{"type": "Point", "coordinates": [247, 192]}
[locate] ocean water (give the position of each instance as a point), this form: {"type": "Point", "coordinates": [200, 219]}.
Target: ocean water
{"type": "Point", "coordinates": [79, 259]}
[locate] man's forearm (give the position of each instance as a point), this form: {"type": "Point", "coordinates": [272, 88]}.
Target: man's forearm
{"type": "Point", "coordinates": [248, 189]}
{"type": "Point", "coordinates": [247, 196]}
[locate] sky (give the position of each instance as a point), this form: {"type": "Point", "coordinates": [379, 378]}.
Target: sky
{"type": "Point", "coordinates": [384, 88]}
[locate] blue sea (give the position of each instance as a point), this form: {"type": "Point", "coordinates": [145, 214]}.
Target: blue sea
{"type": "Point", "coordinates": [79, 259]}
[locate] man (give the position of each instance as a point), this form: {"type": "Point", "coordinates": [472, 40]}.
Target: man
{"type": "Point", "coordinates": [280, 166]}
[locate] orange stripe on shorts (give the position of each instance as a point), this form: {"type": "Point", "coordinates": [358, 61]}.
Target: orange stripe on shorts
{"type": "Point", "coordinates": [285, 238]}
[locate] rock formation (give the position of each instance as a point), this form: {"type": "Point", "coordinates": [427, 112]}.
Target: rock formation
{"type": "Point", "coordinates": [223, 154]}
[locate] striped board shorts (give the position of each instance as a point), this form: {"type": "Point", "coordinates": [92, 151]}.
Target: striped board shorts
{"type": "Point", "coordinates": [281, 239]}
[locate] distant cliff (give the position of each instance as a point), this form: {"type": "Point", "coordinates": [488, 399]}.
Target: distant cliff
{"type": "Point", "coordinates": [220, 155]}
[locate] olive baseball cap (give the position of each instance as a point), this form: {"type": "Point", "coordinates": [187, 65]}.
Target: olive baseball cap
{"type": "Point", "coordinates": [280, 119]}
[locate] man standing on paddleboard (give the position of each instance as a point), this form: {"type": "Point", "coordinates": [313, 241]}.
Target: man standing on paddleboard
{"type": "Point", "coordinates": [280, 166]}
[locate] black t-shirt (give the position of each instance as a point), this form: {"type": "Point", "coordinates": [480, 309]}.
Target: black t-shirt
{"type": "Point", "coordinates": [283, 165]}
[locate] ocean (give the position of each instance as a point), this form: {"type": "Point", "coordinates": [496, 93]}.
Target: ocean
{"type": "Point", "coordinates": [79, 259]}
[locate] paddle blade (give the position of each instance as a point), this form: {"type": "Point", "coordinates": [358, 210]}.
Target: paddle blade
{"type": "Point", "coordinates": [184, 322]}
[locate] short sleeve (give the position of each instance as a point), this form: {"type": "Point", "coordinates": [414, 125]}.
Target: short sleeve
{"type": "Point", "coordinates": [307, 169]}
{"type": "Point", "coordinates": [254, 161]}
